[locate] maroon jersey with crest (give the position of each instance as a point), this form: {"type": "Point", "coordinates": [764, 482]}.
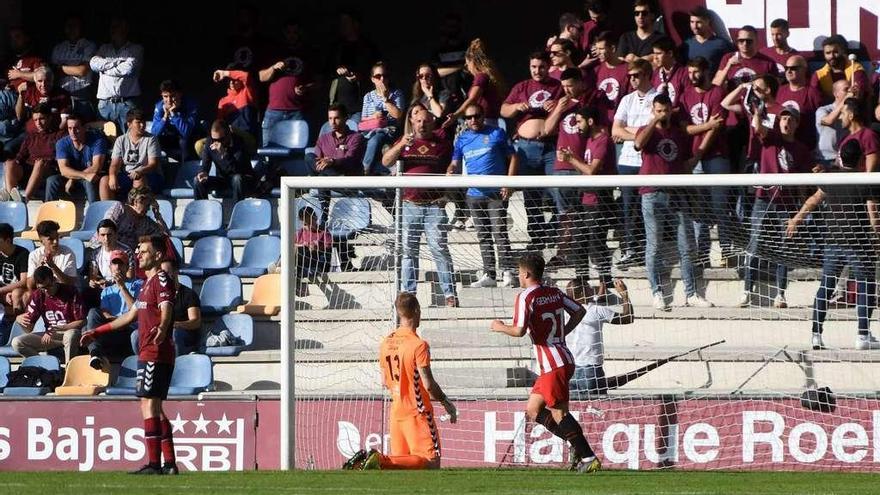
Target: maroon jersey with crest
{"type": "Point", "coordinates": [64, 307]}
{"type": "Point", "coordinates": [157, 291]}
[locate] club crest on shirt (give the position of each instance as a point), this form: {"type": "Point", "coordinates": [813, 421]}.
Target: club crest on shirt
{"type": "Point", "coordinates": [667, 149]}
{"type": "Point", "coordinates": [610, 87]}
{"type": "Point", "coordinates": [784, 159]}
{"type": "Point", "coordinates": [569, 124]}
{"type": "Point", "coordinates": [699, 113]}
{"type": "Point", "coordinates": [163, 278]}
{"type": "Point", "coordinates": [744, 74]}
{"type": "Point", "coordinates": [538, 98]}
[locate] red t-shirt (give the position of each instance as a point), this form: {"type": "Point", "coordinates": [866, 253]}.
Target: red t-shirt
{"type": "Point", "coordinates": [540, 310]}
{"type": "Point", "coordinates": [425, 156]}
{"type": "Point", "coordinates": [57, 99]}
{"type": "Point", "coordinates": [697, 108]}
{"type": "Point", "coordinates": [747, 69]}
{"type": "Point", "coordinates": [569, 137]}
{"type": "Point", "coordinates": [535, 93]}
{"type": "Point", "coordinates": [602, 148]}
{"type": "Point", "coordinates": [27, 63]}
{"type": "Point", "coordinates": [806, 100]}
{"type": "Point", "coordinates": [613, 83]}
{"type": "Point", "coordinates": [490, 100]}
{"type": "Point", "coordinates": [663, 154]}
{"type": "Point", "coordinates": [64, 307]}
{"type": "Point", "coordinates": [868, 141]}
{"type": "Point", "coordinates": [38, 146]}
{"type": "Point", "coordinates": [157, 290]}
{"type": "Point", "coordinates": [770, 121]}
{"type": "Point", "coordinates": [779, 156]}
{"type": "Point", "coordinates": [780, 59]}
{"type": "Point", "coordinates": [677, 81]}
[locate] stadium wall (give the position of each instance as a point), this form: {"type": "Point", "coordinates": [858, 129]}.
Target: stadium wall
{"type": "Point", "coordinates": [628, 432]}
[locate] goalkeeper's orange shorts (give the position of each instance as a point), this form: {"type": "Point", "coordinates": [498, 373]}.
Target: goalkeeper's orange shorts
{"type": "Point", "coordinates": [415, 435]}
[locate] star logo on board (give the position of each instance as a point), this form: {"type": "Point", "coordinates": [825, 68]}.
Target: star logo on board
{"type": "Point", "coordinates": [177, 424]}
{"type": "Point", "coordinates": [223, 424]}
{"type": "Point", "coordinates": [201, 423]}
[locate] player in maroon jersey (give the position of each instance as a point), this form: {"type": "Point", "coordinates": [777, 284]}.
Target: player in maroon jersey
{"type": "Point", "coordinates": [153, 312]}
{"type": "Point", "coordinates": [540, 311]}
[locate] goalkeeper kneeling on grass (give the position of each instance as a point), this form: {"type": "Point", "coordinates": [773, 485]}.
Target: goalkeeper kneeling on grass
{"type": "Point", "coordinates": [405, 361]}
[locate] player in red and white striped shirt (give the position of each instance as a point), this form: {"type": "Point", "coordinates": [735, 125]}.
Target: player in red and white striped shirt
{"type": "Point", "coordinates": [540, 311]}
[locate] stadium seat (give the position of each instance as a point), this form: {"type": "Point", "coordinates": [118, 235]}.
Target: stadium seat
{"type": "Point", "coordinates": [5, 368]}
{"type": "Point", "coordinates": [348, 217]}
{"type": "Point", "coordinates": [95, 212]}
{"type": "Point", "coordinates": [182, 187]}
{"type": "Point", "coordinates": [193, 374]}
{"type": "Point", "coordinates": [266, 297]}
{"type": "Point", "coordinates": [178, 247]}
{"type": "Point", "coordinates": [202, 217]}
{"type": "Point", "coordinates": [41, 361]}
{"type": "Point", "coordinates": [240, 325]}
{"type": "Point", "coordinates": [25, 243]}
{"type": "Point", "coordinates": [63, 212]}
{"type": "Point", "coordinates": [17, 330]}
{"type": "Point", "coordinates": [250, 217]}
{"type": "Point", "coordinates": [82, 379]}
{"type": "Point", "coordinates": [286, 138]}
{"type": "Point", "coordinates": [79, 251]}
{"type": "Point", "coordinates": [298, 204]}
{"type": "Point", "coordinates": [185, 280]}
{"type": "Point", "coordinates": [127, 379]}
{"type": "Point", "coordinates": [15, 214]}
{"type": "Point", "coordinates": [166, 209]}
{"type": "Point", "coordinates": [210, 255]}
{"type": "Point", "coordinates": [258, 253]}
{"type": "Point", "coordinates": [220, 294]}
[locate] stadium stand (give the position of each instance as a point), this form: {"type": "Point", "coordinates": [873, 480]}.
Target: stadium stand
{"type": "Point", "coordinates": [210, 255]}
{"type": "Point", "coordinates": [94, 213]}
{"type": "Point", "coordinates": [63, 212]}
{"type": "Point", "coordinates": [46, 362]}
{"type": "Point", "coordinates": [82, 379]}
{"type": "Point", "coordinates": [126, 379]}
{"type": "Point", "coordinates": [193, 374]}
{"type": "Point", "coordinates": [238, 325]}
{"type": "Point", "coordinates": [220, 294]}
{"type": "Point", "coordinates": [258, 253]}
{"type": "Point", "coordinates": [266, 297]}
{"type": "Point", "coordinates": [201, 218]}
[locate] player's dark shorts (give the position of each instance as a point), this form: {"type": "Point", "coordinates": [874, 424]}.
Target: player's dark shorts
{"type": "Point", "coordinates": [153, 379]}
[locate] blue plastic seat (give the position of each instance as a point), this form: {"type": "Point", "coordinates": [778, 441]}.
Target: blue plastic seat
{"type": "Point", "coordinates": [185, 280]}
{"type": "Point", "coordinates": [193, 374]}
{"type": "Point", "coordinates": [210, 255]}
{"type": "Point", "coordinates": [79, 251]}
{"type": "Point", "coordinates": [220, 294]}
{"type": "Point", "coordinates": [25, 243]}
{"type": "Point", "coordinates": [202, 217]}
{"type": "Point", "coordinates": [166, 209]}
{"type": "Point", "coordinates": [15, 214]}
{"type": "Point", "coordinates": [250, 217]}
{"type": "Point", "coordinates": [348, 217]}
{"type": "Point", "coordinates": [5, 368]}
{"type": "Point", "coordinates": [95, 212]}
{"type": "Point", "coordinates": [240, 325]}
{"type": "Point", "coordinates": [41, 361]}
{"type": "Point", "coordinates": [286, 138]}
{"type": "Point", "coordinates": [17, 330]}
{"type": "Point", "coordinates": [127, 379]}
{"type": "Point", "coordinates": [258, 253]}
{"type": "Point", "coordinates": [178, 247]}
{"type": "Point", "coordinates": [182, 187]}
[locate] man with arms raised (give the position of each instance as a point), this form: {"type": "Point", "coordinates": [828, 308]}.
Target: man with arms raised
{"type": "Point", "coordinates": [153, 312]}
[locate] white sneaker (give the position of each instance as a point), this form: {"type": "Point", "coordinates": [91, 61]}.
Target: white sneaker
{"type": "Point", "coordinates": [745, 299]}
{"type": "Point", "coordinates": [4, 195]}
{"type": "Point", "coordinates": [660, 302]}
{"type": "Point", "coordinates": [779, 301]}
{"type": "Point", "coordinates": [484, 281]}
{"type": "Point", "coordinates": [818, 345]}
{"type": "Point", "coordinates": [15, 195]}
{"type": "Point", "coordinates": [698, 301]}
{"type": "Point", "coordinates": [867, 343]}
{"type": "Point", "coordinates": [506, 279]}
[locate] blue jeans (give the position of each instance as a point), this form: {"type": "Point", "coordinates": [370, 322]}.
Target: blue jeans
{"type": "Point", "coordinates": [631, 220]}
{"type": "Point", "coordinates": [767, 226]}
{"type": "Point", "coordinates": [861, 262]}
{"type": "Point", "coordinates": [588, 380]}
{"type": "Point", "coordinates": [373, 154]}
{"type": "Point", "coordinates": [536, 158]}
{"type": "Point", "coordinates": [717, 213]}
{"type": "Point", "coordinates": [55, 183]}
{"type": "Point", "coordinates": [187, 341]}
{"type": "Point", "coordinates": [429, 219]}
{"type": "Point", "coordinates": [660, 209]}
{"type": "Point", "coordinates": [272, 117]}
{"type": "Point", "coordinates": [115, 111]}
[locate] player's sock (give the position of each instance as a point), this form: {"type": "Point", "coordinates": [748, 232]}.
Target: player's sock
{"type": "Point", "coordinates": [572, 432]}
{"type": "Point", "coordinates": [545, 419]}
{"type": "Point", "coordinates": [152, 438]}
{"type": "Point", "coordinates": [167, 442]}
{"type": "Point", "coordinates": [403, 462]}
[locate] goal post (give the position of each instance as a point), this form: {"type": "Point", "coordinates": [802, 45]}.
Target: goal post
{"type": "Point", "coordinates": [744, 388]}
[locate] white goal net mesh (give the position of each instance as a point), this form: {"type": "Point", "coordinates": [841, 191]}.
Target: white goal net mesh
{"type": "Point", "coordinates": [790, 382]}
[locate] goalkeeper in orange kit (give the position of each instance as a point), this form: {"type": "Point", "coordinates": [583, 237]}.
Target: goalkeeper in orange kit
{"type": "Point", "coordinates": [405, 361]}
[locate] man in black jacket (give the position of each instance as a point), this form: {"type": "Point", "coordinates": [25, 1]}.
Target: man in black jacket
{"type": "Point", "coordinates": [227, 153]}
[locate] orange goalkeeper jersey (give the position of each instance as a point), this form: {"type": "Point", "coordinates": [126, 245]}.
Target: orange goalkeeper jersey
{"type": "Point", "coordinates": [401, 354]}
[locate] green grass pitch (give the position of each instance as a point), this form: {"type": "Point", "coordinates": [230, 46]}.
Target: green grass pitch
{"type": "Point", "coordinates": [451, 481]}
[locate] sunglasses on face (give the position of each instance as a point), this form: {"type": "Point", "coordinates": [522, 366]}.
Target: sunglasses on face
{"type": "Point", "coordinates": [793, 68]}
{"type": "Point", "coordinates": [640, 13]}
{"type": "Point", "coordinates": [378, 76]}
{"type": "Point", "coordinates": [474, 116]}
{"type": "Point", "coordinates": [555, 53]}
{"type": "Point", "coordinates": [747, 41]}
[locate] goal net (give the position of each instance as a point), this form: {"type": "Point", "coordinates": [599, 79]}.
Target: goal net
{"type": "Point", "coordinates": [722, 367]}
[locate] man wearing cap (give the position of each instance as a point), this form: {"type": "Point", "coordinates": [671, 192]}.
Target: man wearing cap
{"type": "Point", "coordinates": [119, 293]}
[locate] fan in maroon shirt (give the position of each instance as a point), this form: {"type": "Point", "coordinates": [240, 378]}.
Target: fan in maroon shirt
{"type": "Point", "coordinates": [669, 76]}
{"type": "Point", "coordinates": [37, 151]}
{"type": "Point", "coordinates": [610, 74]}
{"type": "Point", "coordinates": [154, 313]}
{"type": "Point", "coordinates": [530, 101]}
{"type": "Point", "coordinates": [798, 94]}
